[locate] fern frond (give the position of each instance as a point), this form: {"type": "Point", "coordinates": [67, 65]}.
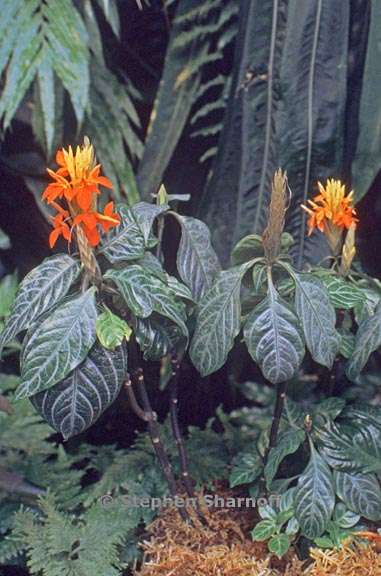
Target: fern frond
{"type": "Point", "coordinates": [46, 37]}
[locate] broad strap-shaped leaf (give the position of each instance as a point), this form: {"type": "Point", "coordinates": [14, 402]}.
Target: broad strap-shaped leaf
{"type": "Point", "coordinates": [314, 498]}
{"type": "Point", "coordinates": [145, 293]}
{"type": "Point", "coordinates": [274, 338]}
{"type": "Point", "coordinates": [367, 160]}
{"type": "Point", "coordinates": [368, 339]}
{"type": "Point", "coordinates": [351, 448]}
{"type": "Point", "coordinates": [40, 290]}
{"type": "Point", "coordinates": [145, 215]}
{"type": "Point", "coordinates": [76, 402]}
{"type": "Point", "coordinates": [157, 336]}
{"type": "Point", "coordinates": [112, 330]}
{"type": "Point", "coordinates": [126, 241]}
{"type": "Point", "coordinates": [58, 344]}
{"type": "Point", "coordinates": [311, 125]}
{"type": "Point", "coordinates": [360, 492]}
{"type": "Point", "coordinates": [318, 319]}
{"type": "Point", "coordinates": [197, 262]}
{"type": "Point", "coordinates": [287, 444]}
{"type": "Point", "coordinates": [237, 195]}
{"type": "Point", "coordinates": [218, 321]}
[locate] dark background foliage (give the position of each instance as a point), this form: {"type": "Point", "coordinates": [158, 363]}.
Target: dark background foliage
{"type": "Point", "coordinates": [243, 86]}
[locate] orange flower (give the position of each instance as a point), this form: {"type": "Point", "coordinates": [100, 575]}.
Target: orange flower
{"type": "Point", "coordinates": [77, 178]}
{"type": "Point", "coordinates": [61, 228]}
{"type": "Point", "coordinates": [89, 221]}
{"type": "Point", "coordinates": [331, 212]}
{"type": "Point", "coordinates": [76, 182]}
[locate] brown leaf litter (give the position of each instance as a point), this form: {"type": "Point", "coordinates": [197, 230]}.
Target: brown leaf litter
{"type": "Point", "coordinates": [223, 547]}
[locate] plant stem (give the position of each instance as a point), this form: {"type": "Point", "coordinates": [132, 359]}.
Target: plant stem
{"type": "Point", "coordinates": [279, 404]}
{"type": "Point", "coordinates": [176, 428]}
{"type": "Point", "coordinates": [151, 418]}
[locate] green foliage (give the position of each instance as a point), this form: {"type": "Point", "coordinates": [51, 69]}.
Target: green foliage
{"type": "Point", "coordinates": [198, 38]}
{"type": "Point", "coordinates": [70, 380]}
{"type": "Point", "coordinates": [44, 287]}
{"type": "Point", "coordinates": [78, 400]}
{"type": "Point", "coordinates": [218, 321]}
{"type": "Point", "coordinates": [111, 330]}
{"type": "Point", "coordinates": [366, 162]}
{"type": "Point", "coordinates": [274, 337]}
{"type": "Point", "coordinates": [58, 344]}
{"type": "Point", "coordinates": [332, 489]}
{"type": "Point", "coordinates": [55, 54]}
{"type": "Point", "coordinates": [197, 262]}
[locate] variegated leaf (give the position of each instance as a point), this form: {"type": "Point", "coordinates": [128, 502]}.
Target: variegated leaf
{"type": "Point", "coordinates": [58, 344]}
{"type": "Point", "coordinates": [218, 321]}
{"type": "Point", "coordinates": [76, 402]}
{"type": "Point", "coordinates": [40, 290]}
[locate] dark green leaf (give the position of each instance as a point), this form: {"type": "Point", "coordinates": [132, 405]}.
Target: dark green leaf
{"type": "Point", "coordinates": [287, 444]}
{"type": "Point", "coordinates": [318, 319]}
{"type": "Point", "coordinates": [347, 344]}
{"type": "Point", "coordinates": [311, 127]}
{"type": "Point", "coordinates": [368, 339]}
{"type": "Point", "coordinates": [351, 449]}
{"type": "Point", "coordinates": [126, 241]}
{"type": "Point", "coordinates": [157, 337]}
{"type": "Point", "coordinates": [58, 344]}
{"type": "Point", "coordinates": [246, 249]}
{"type": "Point", "coordinates": [145, 215]}
{"type": "Point", "coordinates": [145, 293]}
{"type": "Point", "coordinates": [197, 262]}
{"type": "Point", "coordinates": [361, 493]}
{"type": "Point", "coordinates": [314, 497]}
{"type": "Point", "coordinates": [246, 467]}
{"type": "Point", "coordinates": [329, 408]}
{"type": "Point", "coordinates": [274, 338]}
{"type": "Point", "coordinates": [75, 403]}
{"type": "Point", "coordinates": [218, 321]}
{"type": "Point", "coordinates": [341, 515]}
{"type": "Point", "coordinates": [366, 164]}
{"type": "Point", "coordinates": [40, 290]}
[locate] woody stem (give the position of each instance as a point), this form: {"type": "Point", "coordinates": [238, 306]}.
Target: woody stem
{"type": "Point", "coordinates": [151, 418]}
{"type": "Point", "coordinates": [176, 428]}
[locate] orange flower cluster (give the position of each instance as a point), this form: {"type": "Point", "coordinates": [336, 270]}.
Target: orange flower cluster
{"type": "Point", "coordinates": [77, 182]}
{"type": "Point", "coordinates": [331, 206]}
{"type": "Point", "coordinates": [331, 212]}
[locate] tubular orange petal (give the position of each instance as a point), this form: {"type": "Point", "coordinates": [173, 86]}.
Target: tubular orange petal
{"type": "Point", "coordinates": [53, 237]}
{"type": "Point", "coordinates": [92, 235]}
{"type": "Point", "coordinates": [103, 181]}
